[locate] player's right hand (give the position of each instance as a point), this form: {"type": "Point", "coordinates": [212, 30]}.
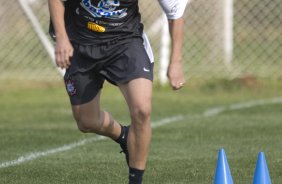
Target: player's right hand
{"type": "Point", "coordinates": [63, 53]}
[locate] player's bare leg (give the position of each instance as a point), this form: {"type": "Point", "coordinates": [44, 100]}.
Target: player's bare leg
{"type": "Point", "coordinates": [138, 95]}
{"type": "Point", "coordinates": [91, 119]}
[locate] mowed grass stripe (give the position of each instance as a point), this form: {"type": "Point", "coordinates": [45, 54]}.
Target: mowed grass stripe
{"type": "Point", "coordinates": [207, 113]}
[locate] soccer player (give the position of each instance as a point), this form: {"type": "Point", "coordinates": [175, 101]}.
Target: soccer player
{"type": "Point", "coordinates": [98, 40]}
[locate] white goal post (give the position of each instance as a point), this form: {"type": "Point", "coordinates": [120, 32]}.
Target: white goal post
{"type": "Point", "coordinates": [40, 32]}
{"type": "Point", "coordinates": [228, 33]}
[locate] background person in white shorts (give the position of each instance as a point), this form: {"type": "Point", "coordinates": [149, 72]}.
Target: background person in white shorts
{"type": "Point", "coordinates": [98, 40]}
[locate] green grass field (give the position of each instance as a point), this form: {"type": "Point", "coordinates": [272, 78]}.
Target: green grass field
{"type": "Point", "coordinates": [190, 126]}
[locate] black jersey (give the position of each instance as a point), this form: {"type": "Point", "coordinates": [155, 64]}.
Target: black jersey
{"type": "Point", "coordinates": [99, 21]}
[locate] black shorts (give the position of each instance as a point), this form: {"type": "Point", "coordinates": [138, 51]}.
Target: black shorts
{"type": "Point", "coordinates": [117, 62]}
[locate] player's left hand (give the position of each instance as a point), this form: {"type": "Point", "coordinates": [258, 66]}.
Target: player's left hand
{"type": "Point", "coordinates": [175, 75]}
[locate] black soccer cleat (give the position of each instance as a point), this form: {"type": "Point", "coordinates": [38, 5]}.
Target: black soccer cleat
{"type": "Point", "coordinates": [123, 143]}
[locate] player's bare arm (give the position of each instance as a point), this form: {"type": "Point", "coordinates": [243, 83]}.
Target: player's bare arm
{"type": "Point", "coordinates": [63, 49]}
{"type": "Point", "coordinates": [175, 71]}
{"type": "Point", "coordinates": [174, 10]}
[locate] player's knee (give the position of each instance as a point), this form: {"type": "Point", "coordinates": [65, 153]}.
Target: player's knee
{"type": "Point", "coordinates": [141, 115]}
{"type": "Point", "coordinates": [84, 128]}
{"type": "Point", "coordinates": [87, 125]}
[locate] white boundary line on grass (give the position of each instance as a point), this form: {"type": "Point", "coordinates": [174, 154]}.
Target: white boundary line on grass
{"type": "Point", "coordinates": [208, 113]}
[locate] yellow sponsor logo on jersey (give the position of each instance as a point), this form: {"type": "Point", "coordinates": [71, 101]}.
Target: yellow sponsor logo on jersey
{"type": "Point", "coordinates": [95, 27]}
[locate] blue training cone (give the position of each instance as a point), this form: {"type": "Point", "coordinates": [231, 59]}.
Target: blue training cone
{"type": "Point", "coordinates": [261, 175]}
{"type": "Point", "coordinates": [222, 172]}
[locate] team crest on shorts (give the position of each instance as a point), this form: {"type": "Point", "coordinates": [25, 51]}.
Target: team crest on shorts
{"type": "Point", "coordinates": [70, 87]}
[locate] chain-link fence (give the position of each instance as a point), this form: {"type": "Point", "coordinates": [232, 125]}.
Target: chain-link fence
{"type": "Point", "coordinates": [256, 39]}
